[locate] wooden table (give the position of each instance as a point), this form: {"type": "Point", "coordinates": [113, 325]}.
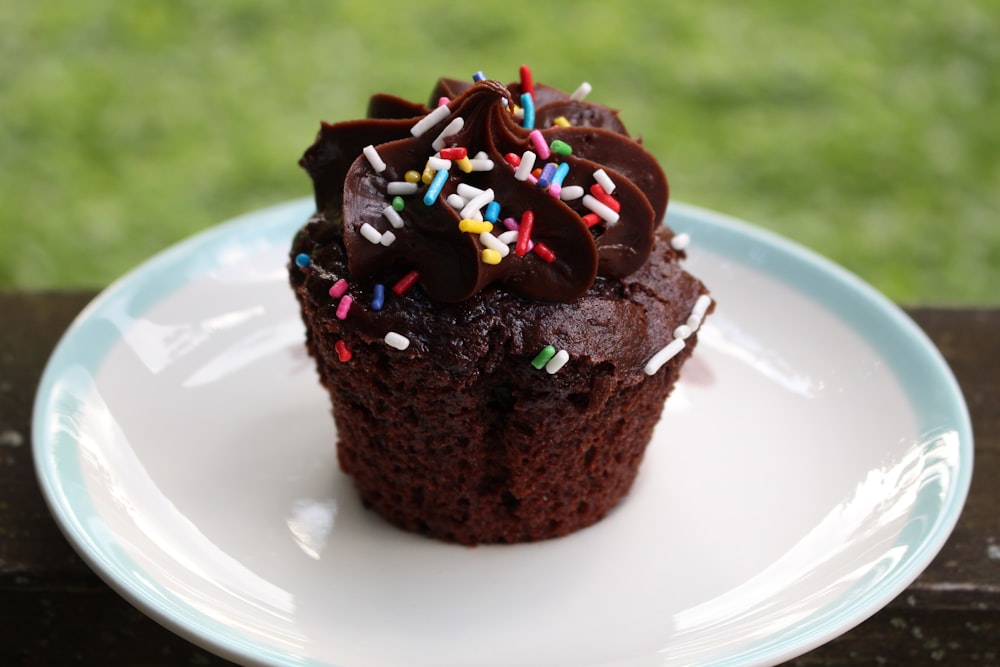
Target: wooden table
{"type": "Point", "coordinates": [54, 610]}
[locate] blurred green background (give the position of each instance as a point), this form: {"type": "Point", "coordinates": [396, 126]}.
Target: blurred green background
{"type": "Point", "coordinates": [866, 131]}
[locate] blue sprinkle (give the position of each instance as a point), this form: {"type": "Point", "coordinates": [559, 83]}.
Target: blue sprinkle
{"type": "Point", "coordinates": [528, 104]}
{"type": "Point", "coordinates": [479, 76]}
{"type": "Point", "coordinates": [378, 296]}
{"type": "Point", "coordinates": [492, 211]}
{"type": "Point", "coordinates": [302, 260]}
{"type": "Point", "coordinates": [548, 171]}
{"type": "Point", "coordinates": [434, 189]}
{"type": "Point", "coordinates": [560, 174]}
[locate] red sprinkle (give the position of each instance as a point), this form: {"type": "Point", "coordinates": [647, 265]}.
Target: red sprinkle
{"type": "Point", "coordinates": [524, 233]}
{"type": "Point", "coordinates": [513, 159]}
{"type": "Point", "coordinates": [342, 352]}
{"type": "Point", "coordinates": [527, 83]}
{"type": "Point", "coordinates": [602, 196]}
{"type": "Point", "coordinates": [543, 251]}
{"type": "Point", "coordinates": [454, 153]}
{"type": "Point", "coordinates": [591, 219]}
{"type": "Point", "coordinates": [406, 282]}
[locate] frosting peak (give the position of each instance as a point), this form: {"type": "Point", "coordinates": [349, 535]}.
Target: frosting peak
{"type": "Point", "coordinates": [450, 193]}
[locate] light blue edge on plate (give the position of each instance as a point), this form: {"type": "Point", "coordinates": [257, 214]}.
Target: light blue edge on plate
{"type": "Point", "coordinates": [929, 383]}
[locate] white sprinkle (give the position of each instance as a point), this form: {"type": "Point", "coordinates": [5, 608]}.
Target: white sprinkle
{"type": "Point", "coordinates": [481, 164]}
{"type": "Point", "coordinates": [668, 352]}
{"type": "Point", "coordinates": [374, 159]}
{"type": "Point", "coordinates": [456, 201]}
{"type": "Point", "coordinates": [430, 120]}
{"type": "Point", "coordinates": [401, 188]}
{"type": "Point", "coordinates": [393, 216]}
{"type": "Point", "coordinates": [602, 177]}
{"type": "Point", "coordinates": [682, 331]}
{"type": "Point", "coordinates": [571, 192]}
{"type": "Point", "coordinates": [477, 203]}
{"type": "Point", "coordinates": [454, 127]}
{"type": "Point", "coordinates": [387, 238]}
{"type": "Point", "coordinates": [581, 92]}
{"type": "Point", "coordinates": [680, 241]}
{"type": "Point", "coordinates": [494, 243]}
{"type": "Point", "coordinates": [524, 168]}
{"type": "Point", "coordinates": [481, 155]}
{"type": "Point", "coordinates": [437, 164]}
{"type": "Point", "coordinates": [370, 233]}
{"type": "Point", "coordinates": [510, 236]}
{"type": "Point", "coordinates": [557, 362]}
{"type": "Point", "coordinates": [701, 305]}
{"type": "Point", "coordinates": [398, 341]}
{"type": "Point", "coordinates": [602, 210]}
{"type": "Point", "coordinates": [468, 191]}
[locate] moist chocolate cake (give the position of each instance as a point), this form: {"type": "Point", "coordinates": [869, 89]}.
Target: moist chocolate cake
{"type": "Point", "coordinates": [494, 305]}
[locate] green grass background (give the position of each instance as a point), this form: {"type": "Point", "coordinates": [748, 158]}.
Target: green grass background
{"type": "Point", "coordinates": [869, 132]}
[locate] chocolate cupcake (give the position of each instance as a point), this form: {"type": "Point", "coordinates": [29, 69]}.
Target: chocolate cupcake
{"type": "Point", "coordinates": [494, 305]}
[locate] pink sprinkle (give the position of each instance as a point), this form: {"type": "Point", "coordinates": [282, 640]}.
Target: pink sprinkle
{"type": "Point", "coordinates": [554, 190]}
{"type": "Point", "coordinates": [443, 101]}
{"type": "Point", "coordinates": [344, 306]}
{"type": "Point", "coordinates": [338, 289]}
{"type": "Point", "coordinates": [541, 147]}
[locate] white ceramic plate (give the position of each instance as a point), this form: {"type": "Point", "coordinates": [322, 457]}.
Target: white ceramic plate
{"type": "Point", "coordinates": [810, 464]}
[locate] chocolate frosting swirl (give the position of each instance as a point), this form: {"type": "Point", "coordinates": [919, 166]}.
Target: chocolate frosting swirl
{"type": "Point", "coordinates": [351, 194]}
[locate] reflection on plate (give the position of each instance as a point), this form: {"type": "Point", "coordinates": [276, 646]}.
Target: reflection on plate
{"type": "Point", "coordinates": [811, 462]}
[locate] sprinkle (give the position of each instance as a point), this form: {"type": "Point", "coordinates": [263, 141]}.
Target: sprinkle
{"type": "Point", "coordinates": [571, 192]}
{"type": "Point", "coordinates": [393, 216]}
{"type": "Point", "coordinates": [481, 164]}
{"type": "Point", "coordinates": [525, 165]}
{"type": "Point", "coordinates": [453, 128]}
{"type": "Point", "coordinates": [527, 83]}
{"type": "Point", "coordinates": [561, 121]}
{"type": "Point", "coordinates": [492, 211]}
{"type": "Point", "coordinates": [406, 282]}
{"type": "Point", "coordinates": [427, 176]}
{"type": "Point", "coordinates": [437, 164]}
{"type": "Point", "coordinates": [560, 147]}
{"type": "Point", "coordinates": [557, 362]}
{"type": "Point", "coordinates": [590, 219]}
{"type": "Point", "coordinates": [543, 357]}
{"type": "Point", "coordinates": [602, 177]}
{"type": "Point", "coordinates": [545, 178]}
{"type": "Point", "coordinates": [528, 104]}
{"type": "Point", "coordinates": [443, 101]}
{"type": "Point", "coordinates": [370, 233]}
{"type": "Point", "coordinates": [467, 191]}
{"type": "Point", "coordinates": [344, 306]}
{"type": "Point", "coordinates": [398, 341]}
{"type": "Point", "coordinates": [406, 187]}
{"type": "Point", "coordinates": [479, 76]}
{"type": "Point", "coordinates": [430, 120]}
{"type": "Point", "coordinates": [465, 164]}
{"type": "Point", "coordinates": [398, 204]}
{"type": "Point", "coordinates": [302, 260]}
{"type": "Point", "coordinates": [606, 199]}
{"type": "Point", "coordinates": [456, 201]}
{"type": "Point", "coordinates": [538, 141]}
{"type": "Point", "coordinates": [509, 236]}
{"type": "Point", "coordinates": [378, 296]}
{"type": "Point", "coordinates": [494, 244]}
{"type": "Point", "coordinates": [698, 311]}
{"type": "Point", "coordinates": [682, 331]}
{"type": "Point", "coordinates": [490, 256]}
{"type": "Point", "coordinates": [478, 202]}
{"type": "Point", "coordinates": [544, 252]}
{"type": "Point", "coordinates": [513, 159]}
{"type": "Point", "coordinates": [555, 189]}
{"type": "Point", "coordinates": [454, 153]}
{"type": "Point", "coordinates": [600, 209]}
{"type": "Point", "coordinates": [474, 226]}
{"type": "Point", "coordinates": [338, 289]}
{"type": "Point", "coordinates": [374, 159]}
{"type": "Point", "coordinates": [434, 189]}
{"type": "Point", "coordinates": [524, 233]}
{"type": "Point", "coordinates": [561, 172]}
{"type": "Point", "coordinates": [680, 241]}
{"type": "Point", "coordinates": [388, 238]}
{"type": "Point", "coordinates": [668, 352]}
{"type": "Point", "coordinates": [342, 352]}
{"type": "Point", "coordinates": [412, 176]}
{"type": "Point", "coordinates": [581, 92]}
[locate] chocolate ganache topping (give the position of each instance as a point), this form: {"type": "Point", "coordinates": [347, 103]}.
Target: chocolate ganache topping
{"type": "Point", "coordinates": [454, 192]}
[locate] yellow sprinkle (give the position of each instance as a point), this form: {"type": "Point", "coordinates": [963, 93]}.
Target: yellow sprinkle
{"type": "Point", "coordinates": [465, 164]}
{"type": "Point", "coordinates": [490, 256]}
{"type": "Point", "coordinates": [561, 121]}
{"type": "Point", "coordinates": [412, 176]}
{"type": "Point", "coordinates": [428, 175]}
{"type": "Point", "coordinates": [475, 226]}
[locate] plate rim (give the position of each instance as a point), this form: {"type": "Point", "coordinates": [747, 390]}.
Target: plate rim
{"type": "Point", "coordinates": [277, 222]}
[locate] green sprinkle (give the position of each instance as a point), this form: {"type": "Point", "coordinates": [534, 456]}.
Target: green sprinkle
{"type": "Point", "coordinates": [560, 147]}
{"type": "Point", "coordinates": [398, 203]}
{"type": "Point", "coordinates": [543, 357]}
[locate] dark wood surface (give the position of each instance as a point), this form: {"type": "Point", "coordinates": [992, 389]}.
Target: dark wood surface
{"type": "Point", "coordinates": [54, 610]}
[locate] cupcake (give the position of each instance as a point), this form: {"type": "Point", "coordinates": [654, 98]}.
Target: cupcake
{"type": "Point", "coordinates": [494, 305]}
